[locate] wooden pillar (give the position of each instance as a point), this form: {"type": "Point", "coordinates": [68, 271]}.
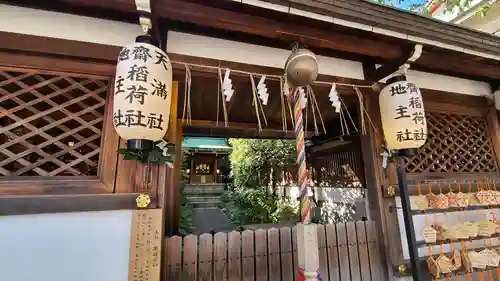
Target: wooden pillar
{"type": "Point", "coordinates": [494, 128]}
{"type": "Point", "coordinates": [173, 206]}
{"type": "Point", "coordinates": [371, 147]}
{"type": "Point", "coordinates": [169, 180]}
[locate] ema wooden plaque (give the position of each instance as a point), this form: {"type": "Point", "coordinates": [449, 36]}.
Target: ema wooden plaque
{"type": "Point", "coordinates": [145, 245]}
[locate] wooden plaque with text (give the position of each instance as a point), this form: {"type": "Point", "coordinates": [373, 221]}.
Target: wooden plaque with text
{"type": "Point", "coordinates": [145, 245]}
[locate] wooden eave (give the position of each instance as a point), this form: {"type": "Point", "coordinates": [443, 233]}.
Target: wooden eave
{"type": "Point", "coordinates": [241, 22]}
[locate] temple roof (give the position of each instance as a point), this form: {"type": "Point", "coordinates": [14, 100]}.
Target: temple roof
{"type": "Point", "coordinates": [206, 144]}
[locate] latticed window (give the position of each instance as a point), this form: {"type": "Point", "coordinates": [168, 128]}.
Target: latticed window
{"type": "Point", "coordinates": [50, 125]}
{"type": "Point", "coordinates": [342, 167]}
{"type": "Point", "coordinates": [456, 144]}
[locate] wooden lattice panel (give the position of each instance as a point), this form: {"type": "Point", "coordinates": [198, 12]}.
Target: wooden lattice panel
{"type": "Point", "coordinates": [50, 125]}
{"type": "Point", "coordinates": [455, 144]}
{"type": "Point", "coordinates": [342, 167]}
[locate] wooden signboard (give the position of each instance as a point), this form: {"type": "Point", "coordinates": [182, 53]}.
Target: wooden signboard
{"type": "Point", "coordinates": [145, 245]}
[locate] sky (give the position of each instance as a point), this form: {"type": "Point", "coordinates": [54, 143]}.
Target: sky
{"type": "Point", "coordinates": [406, 4]}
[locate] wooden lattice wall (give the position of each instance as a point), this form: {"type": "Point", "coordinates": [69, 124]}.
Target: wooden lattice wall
{"type": "Point", "coordinates": [457, 143]}
{"type": "Point", "coordinates": [50, 125]}
{"type": "Point", "coordinates": [343, 166]}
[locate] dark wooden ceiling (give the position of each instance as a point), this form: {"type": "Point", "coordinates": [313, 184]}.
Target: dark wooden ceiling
{"type": "Point", "coordinates": [207, 111]}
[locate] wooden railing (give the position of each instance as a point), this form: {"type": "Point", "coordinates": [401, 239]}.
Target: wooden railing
{"type": "Point", "coordinates": [348, 252]}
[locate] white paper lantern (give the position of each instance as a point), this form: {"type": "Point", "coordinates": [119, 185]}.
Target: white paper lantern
{"type": "Point", "coordinates": [142, 92]}
{"type": "Point", "coordinates": [403, 115]}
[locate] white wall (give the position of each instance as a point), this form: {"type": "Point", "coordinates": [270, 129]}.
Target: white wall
{"type": "Point", "coordinates": [78, 28]}
{"type": "Point", "coordinates": [90, 246]}
{"type": "Point", "coordinates": [66, 26]}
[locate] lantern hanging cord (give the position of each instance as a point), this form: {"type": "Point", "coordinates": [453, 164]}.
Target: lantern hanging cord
{"type": "Point", "coordinates": [275, 77]}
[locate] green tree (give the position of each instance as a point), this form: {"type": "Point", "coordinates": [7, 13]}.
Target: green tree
{"type": "Point", "coordinates": [254, 167]}
{"type": "Point", "coordinates": [255, 162]}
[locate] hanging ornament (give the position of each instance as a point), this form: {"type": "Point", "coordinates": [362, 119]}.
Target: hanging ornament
{"type": "Point", "coordinates": [227, 86]}
{"type": "Point", "coordinates": [334, 98]}
{"type": "Point", "coordinates": [402, 113]}
{"type": "Point", "coordinates": [301, 68]}
{"type": "Point", "coordinates": [262, 90]}
{"type": "Point", "coordinates": [141, 104]}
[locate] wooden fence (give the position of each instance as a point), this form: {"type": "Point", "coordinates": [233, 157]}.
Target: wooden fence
{"type": "Point", "coordinates": [348, 252]}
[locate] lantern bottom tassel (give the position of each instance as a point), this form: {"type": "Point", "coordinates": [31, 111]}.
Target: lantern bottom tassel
{"type": "Point", "coordinates": [308, 276]}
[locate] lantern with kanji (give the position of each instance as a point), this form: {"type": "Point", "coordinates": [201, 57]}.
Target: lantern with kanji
{"type": "Point", "coordinates": [142, 94]}
{"type": "Point", "coordinates": [402, 113]}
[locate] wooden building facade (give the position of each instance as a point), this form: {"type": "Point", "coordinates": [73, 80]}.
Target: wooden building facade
{"type": "Point", "coordinates": [58, 148]}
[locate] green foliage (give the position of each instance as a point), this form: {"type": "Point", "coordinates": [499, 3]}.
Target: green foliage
{"type": "Point", "coordinates": [450, 6]}
{"type": "Point", "coordinates": [156, 156]}
{"type": "Point", "coordinates": [255, 205]}
{"type": "Point", "coordinates": [186, 218]}
{"type": "Point", "coordinates": [336, 213]}
{"type": "Point", "coordinates": [253, 160]}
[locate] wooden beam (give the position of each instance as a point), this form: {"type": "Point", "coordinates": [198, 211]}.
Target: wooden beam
{"type": "Point", "coordinates": [21, 185]}
{"type": "Point", "coordinates": [250, 130]}
{"type": "Point", "coordinates": [60, 47]}
{"type": "Point", "coordinates": [374, 74]}
{"type": "Point", "coordinates": [23, 205]}
{"type": "Point", "coordinates": [178, 63]}
{"type": "Point", "coordinates": [212, 17]}
{"type": "Point", "coordinates": [56, 65]}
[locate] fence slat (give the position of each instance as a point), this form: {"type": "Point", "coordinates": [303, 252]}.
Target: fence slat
{"type": "Point", "coordinates": [220, 256]}
{"type": "Point", "coordinates": [286, 254]}
{"type": "Point", "coordinates": [190, 258]}
{"type": "Point", "coordinates": [352, 241]}
{"type": "Point", "coordinates": [260, 255]}
{"type": "Point", "coordinates": [295, 253]}
{"type": "Point", "coordinates": [323, 258]}
{"type": "Point", "coordinates": [345, 274]}
{"type": "Point", "coordinates": [347, 252]}
{"type": "Point", "coordinates": [174, 248]}
{"type": "Point", "coordinates": [273, 242]}
{"type": "Point", "coordinates": [206, 259]}
{"type": "Point", "coordinates": [363, 251]}
{"type": "Point", "coordinates": [234, 256]}
{"type": "Point", "coordinates": [373, 253]}
{"type": "Point", "coordinates": [248, 255]}
{"type": "Point", "coordinates": [333, 254]}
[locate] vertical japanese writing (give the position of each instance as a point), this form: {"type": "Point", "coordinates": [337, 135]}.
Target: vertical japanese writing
{"type": "Point", "coordinates": [412, 88]}
{"type": "Point", "coordinates": [133, 118]}
{"type": "Point", "coordinates": [402, 112]}
{"type": "Point", "coordinates": [124, 54]}
{"type": "Point", "coordinates": [145, 253]}
{"type": "Point", "coordinates": [159, 89]}
{"type": "Point", "coordinates": [418, 118]}
{"type": "Point", "coordinates": [138, 73]}
{"type": "Point", "coordinates": [404, 135]}
{"type": "Point", "coordinates": [119, 85]}
{"type": "Point", "coordinates": [398, 90]}
{"type": "Point", "coordinates": [141, 53]}
{"type": "Point", "coordinates": [161, 59]}
{"type": "Point", "coordinates": [415, 102]}
{"type": "Point", "coordinates": [136, 93]}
